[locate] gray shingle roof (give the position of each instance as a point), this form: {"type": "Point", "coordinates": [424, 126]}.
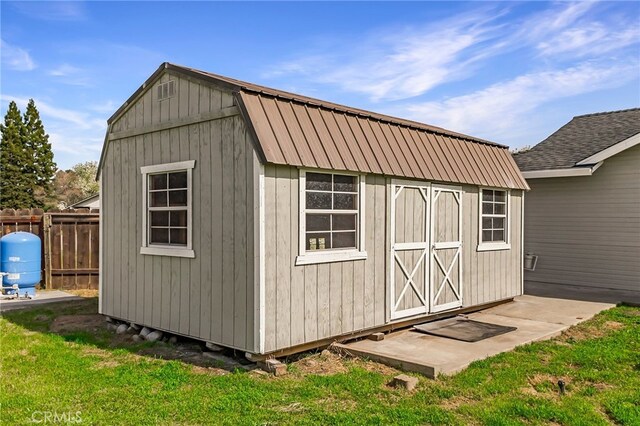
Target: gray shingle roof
{"type": "Point", "coordinates": [582, 137]}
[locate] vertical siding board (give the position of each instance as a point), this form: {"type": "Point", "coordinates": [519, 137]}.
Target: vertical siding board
{"type": "Point", "coordinates": [194, 98]}
{"type": "Point", "coordinates": [298, 318]}
{"type": "Point", "coordinates": [204, 99]}
{"type": "Point", "coordinates": [347, 297]}
{"type": "Point", "coordinates": [251, 187]}
{"type": "Point", "coordinates": [283, 250]}
{"type": "Point", "coordinates": [118, 234]}
{"type": "Point", "coordinates": [147, 101]}
{"type": "Point", "coordinates": [323, 295]}
{"type": "Point", "coordinates": [270, 233]}
{"type": "Point", "coordinates": [133, 230]}
{"type": "Point", "coordinates": [183, 96]}
{"type": "Point", "coordinates": [370, 246]}
{"type": "Point", "coordinates": [239, 234]}
{"type": "Point", "coordinates": [311, 309]}
{"type": "Point", "coordinates": [156, 282]}
{"type": "Point", "coordinates": [203, 170]}
{"type": "Point", "coordinates": [335, 298]}
{"type": "Point", "coordinates": [358, 294]}
{"type": "Point", "coordinates": [140, 259]}
{"type": "Point", "coordinates": [185, 264]}
{"type": "Point", "coordinates": [228, 243]}
{"type": "Point", "coordinates": [194, 267]}
{"type": "Point", "coordinates": [226, 99]}
{"type": "Point", "coordinates": [216, 248]}
{"type": "Point", "coordinates": [381, 250]}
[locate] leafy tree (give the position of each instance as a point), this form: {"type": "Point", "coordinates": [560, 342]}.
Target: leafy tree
{"type": "Point", "coordinates": [41, 166]}
{"type": "Point", "coordinates": [16, 189]}
{"type": "Point", "coordinates": [75, 184]}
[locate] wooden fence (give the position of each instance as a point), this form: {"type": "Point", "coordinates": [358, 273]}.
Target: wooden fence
{"type": "Point", "coordinates": [70, 244]}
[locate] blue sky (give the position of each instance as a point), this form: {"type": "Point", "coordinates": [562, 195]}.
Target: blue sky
{"type": "Point", "coordinates": [511, 72]}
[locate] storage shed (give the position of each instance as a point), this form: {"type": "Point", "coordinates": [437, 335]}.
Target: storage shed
{"type": "Point", "coordinates": [582, 218]}
{"type": "Point", "coordinates": [271, 222]}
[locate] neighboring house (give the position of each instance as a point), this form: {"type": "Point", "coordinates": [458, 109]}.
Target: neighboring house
{"type": "Point", "coordinates": [582, 215]}
{"type": "Point", "coordinates": [271, 222]}
{"type": "Point", "coordinates": [92, 202]}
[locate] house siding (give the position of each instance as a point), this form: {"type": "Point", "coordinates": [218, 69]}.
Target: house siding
{"type": "Point", "coordinates": [308, 303]}
{"type": "Point", "coordinates": [586, 230]}
{"type": "Point", "coordinates": [209, 297]}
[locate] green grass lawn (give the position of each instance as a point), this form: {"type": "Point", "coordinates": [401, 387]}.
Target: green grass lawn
{"type": "Point", "coordinates": [106, 381]}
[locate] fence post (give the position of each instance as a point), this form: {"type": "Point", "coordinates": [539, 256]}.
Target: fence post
{"type": "Point", "coordinates": [46, 228]}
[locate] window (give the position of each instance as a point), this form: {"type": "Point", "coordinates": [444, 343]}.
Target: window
{"type": "Point", "coordinates": [494, 219]}
{"type": "Point", "coordinates": [167, 209]}
{"type": "Point", "coordinates": [331, 223]}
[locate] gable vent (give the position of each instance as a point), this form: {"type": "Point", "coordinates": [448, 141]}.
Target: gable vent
{"type": "Point", "coordinates": [166, 90]}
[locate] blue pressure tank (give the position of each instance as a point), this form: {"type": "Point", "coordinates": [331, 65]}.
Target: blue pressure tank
{"type": "Point", "coordinates": [20, 263]}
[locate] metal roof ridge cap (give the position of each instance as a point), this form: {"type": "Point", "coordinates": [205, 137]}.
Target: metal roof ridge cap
{"type": "Point", "coordinates": [375, 116]}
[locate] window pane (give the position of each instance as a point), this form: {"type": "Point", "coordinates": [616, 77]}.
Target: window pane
{"type": "Point", "coordinates": [179, 218]}
{"type": "Point", "coordinates": [159, 218]}
{"type": "Point", "coordinates": [345, 183]}
{"type": "Point", "coordinates": [318, 222]}
{"type": "Point", "coordinates": [178, 180]}
{"type": "Point", "coordinates": [319, 200]}
{"type": "Point", "coordinates": [319, 181]}
{"type": "Point", "coordinates": [318, 240]}
{"type": "Point", "coordinates": [178, 198]}
{"type": "Point", "coordinates": [486, 236]}
{"type": "Point", "coordinates": [179, 236]}
{"type": "Point", "coordinates": [500, 196]}
{"type": "Point", "coordinates": [344, 222]}
{"type": "Point", "coordinates": [158, 199]}
{"type": "Point", "coordinates": [486, 223]}
{"type": "Point", "coordinates": [499, 208]}
{"type": "Point", "coordinates": [498, 235]}
{"type": "Point", "coordinates": [487, 195]}
{"type": "Point", "coordinates": [498, 223]}
{"type": "Point", "coordinates": [159, 236]}
{"type": "Point", "coordinates": [345, 202]}
{"type": "Point", "coordinates": [158, 181]}
{"type": "Point", "coordinates": [344, 239]}
{"type": "Point", "coordinates": [487, 208]}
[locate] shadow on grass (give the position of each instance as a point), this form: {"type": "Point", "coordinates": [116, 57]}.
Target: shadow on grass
{"type": "Point", "coordinates": [78, 321]}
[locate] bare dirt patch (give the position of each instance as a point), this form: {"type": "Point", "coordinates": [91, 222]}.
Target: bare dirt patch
{"type": "Point", "coordinates": [72, 323]}
{"type": "Point", "coordinates": [595, 331]}
{"type": "Point", "coordinates": [320, 364]}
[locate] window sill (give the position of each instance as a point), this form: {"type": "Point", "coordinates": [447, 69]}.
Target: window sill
{"type": "Point", "coordinates": [493, 246]}
{"type": "Point", "coordinates": [167, 251]}
{"type": "Point", "coordinates": [330, 257]}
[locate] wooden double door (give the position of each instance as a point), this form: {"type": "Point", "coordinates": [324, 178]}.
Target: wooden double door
{"type": "Point", "coordinates": [426, 248]}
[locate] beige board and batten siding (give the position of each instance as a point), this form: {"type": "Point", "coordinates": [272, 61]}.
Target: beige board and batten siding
{"type": "Point", "coordinates": [586, 229]}
{"type": "Point", "coordinates": [307, 303]}
{"type": "Point", "coordinates": [211, 296]}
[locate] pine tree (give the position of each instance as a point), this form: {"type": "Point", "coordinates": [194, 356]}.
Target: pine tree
{"type": "Point", "coordinates": [41, 166]}
{"type": "Point", "coordinates": [16, 190]}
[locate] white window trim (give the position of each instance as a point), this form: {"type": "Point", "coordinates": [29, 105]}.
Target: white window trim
{"type": "Point", "coordinates": [159, 250]}
{"type": "Point", "coordinates": [491, 246]}
{"type": "Point", "coordinates": [336, 255]}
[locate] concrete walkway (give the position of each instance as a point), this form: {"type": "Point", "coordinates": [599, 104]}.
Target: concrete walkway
{"type": "Point", "coordinates": [537, 318]}
{"type": "Point", "coordinates": [42, 297]}
{"type": "Point", "coordinates": [591, 294]}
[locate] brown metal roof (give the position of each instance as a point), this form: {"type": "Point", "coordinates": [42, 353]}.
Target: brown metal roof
{"type": "Point", "coordinates": [296, 133]}
{"type": "Point", "coordinates": [296, 130]}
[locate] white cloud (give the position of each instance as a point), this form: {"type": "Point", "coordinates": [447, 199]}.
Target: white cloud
{"type": "Point", "coordinates": [16, 58]}
{"type": "Point", "coordinates": [502, 111]}
{"type": "Point", "coordinates": [404, 63]}
{"type": "Point", "coordinates": [52, 10]}
{"type": "Point", "coordinates": [64, 70]}
{"type": "Point", "coordinates": [591, 39]}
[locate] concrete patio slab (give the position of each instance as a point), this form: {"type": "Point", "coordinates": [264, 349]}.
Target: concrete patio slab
{"type": "Point", "coordinates": [42, 297]}
{"type": "Point", "coordinates": [536, 318]}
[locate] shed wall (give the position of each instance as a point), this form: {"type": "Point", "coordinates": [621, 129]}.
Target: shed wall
{"type": "Point", "coordinates": [210, 297]}
{"type": "Point", "coordinates": [586, 230]}
{"type": "Point", "coordinates": [313, 302]}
